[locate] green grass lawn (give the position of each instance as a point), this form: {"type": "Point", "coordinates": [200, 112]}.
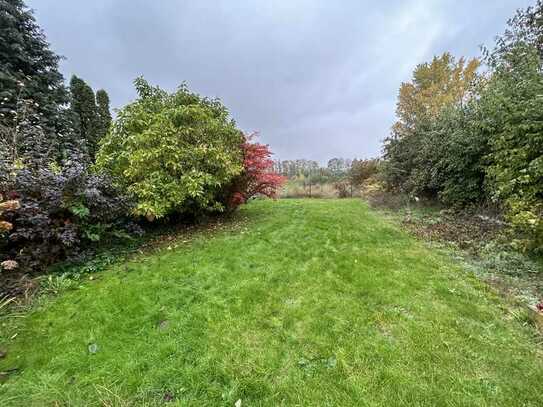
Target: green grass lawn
{"type": "Point", "coordinates": [310, 303]}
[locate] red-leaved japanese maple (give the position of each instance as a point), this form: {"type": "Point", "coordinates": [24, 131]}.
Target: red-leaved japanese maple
{"type": "Point", "coordinates": [257, 177]}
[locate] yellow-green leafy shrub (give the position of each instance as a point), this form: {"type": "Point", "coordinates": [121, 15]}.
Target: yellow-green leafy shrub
{"type": "Point", "coordinates": [172, 152]}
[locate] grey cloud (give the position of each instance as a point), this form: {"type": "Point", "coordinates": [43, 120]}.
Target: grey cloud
{"type": "Point", "coordinates": [317, 78]}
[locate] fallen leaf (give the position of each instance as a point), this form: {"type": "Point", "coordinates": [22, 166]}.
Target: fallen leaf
{"type": "Point", "coordinates": [5, 375]}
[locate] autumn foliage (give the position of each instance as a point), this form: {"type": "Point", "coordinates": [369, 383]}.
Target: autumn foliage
{"type": "Point", "coordinates": [257, 177]}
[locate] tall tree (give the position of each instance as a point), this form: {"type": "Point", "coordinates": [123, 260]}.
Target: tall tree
{"type": "Point", "coordinates": [435, 85]}
{"type": "Point", "coordinates": [440, 84]}
{"type": "Point", "coordinates": [104, 115]}
{"type": "Point", "coordinates": [83, 104]}
{"type": "Point", "coordinates": [29, 72]}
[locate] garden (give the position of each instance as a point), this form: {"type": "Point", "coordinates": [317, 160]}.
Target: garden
{"type": "Point", "coordinates": [161, 255]}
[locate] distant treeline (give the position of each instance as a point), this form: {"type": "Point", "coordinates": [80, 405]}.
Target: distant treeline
{"type": "Point", "coordinates": [336, 169]}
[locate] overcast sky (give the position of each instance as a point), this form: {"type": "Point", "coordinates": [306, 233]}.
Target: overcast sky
{"type": "Point", "coordinates": [317, 78]}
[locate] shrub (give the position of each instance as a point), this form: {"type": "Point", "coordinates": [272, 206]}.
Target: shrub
{"type": "Point", "coordinates": [516, 172]}
{"type": "Point", "coordinates": [343, 188]}
{"type": "Point", "coordinates": [50, 209]}
{"type": "Point", "coordinates": [257, 177]}
{"type": "Point", "coordinates": [443, 159]}
{"type": "Point", "coordinates": [482, 148]}
{"type": "Point", "coordinates": [174, 153]}
{"type": "Point", "coordinates": [362, 170]}
{"type": "Point", "coordinates": [59, 212]}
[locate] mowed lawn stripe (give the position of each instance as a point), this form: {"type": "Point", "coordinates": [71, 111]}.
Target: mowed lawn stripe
{"type": "Point", "coordinates": [311, 302]}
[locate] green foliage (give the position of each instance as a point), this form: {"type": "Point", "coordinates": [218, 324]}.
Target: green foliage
{"type": "Point", "coordinates": [516, 172]}
{"type": "Point", "coordinates": [425, 154]}
{"type": "Point", "coordinates": [29, 72]}
{"type": "Point", "coordinates": [79, 210]}
{"type": "Point", "coordinates": [512, 112]}
{"type": "Point", "coordinates": [459, 152]}
{"type": "Point", "coordinates": [442, 159]}
{"type": "Point", "coordinates": [90, 115]}
{"type": "Point", "coordinates": [55, 284]}
{"type": "Point", "coordinates": [362, 170]}
{"type": "Point", "coordinates": [83, 105]}
{"type": "Point", "coordinates": [483, 143]}
{"type": "Point", "coordinates": [104, 115]}
{"type": "Point", "coordinates": [173, 152]}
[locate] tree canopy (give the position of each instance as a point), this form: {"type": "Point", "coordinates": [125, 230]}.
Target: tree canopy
{"type": "Point", "coordinates": [435, 85]}
{"type": "Point", "coordinates": [28, 68]}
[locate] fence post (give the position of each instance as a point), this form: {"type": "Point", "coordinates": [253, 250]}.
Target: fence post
{"type": "Point", "coordinates": [310, 182]}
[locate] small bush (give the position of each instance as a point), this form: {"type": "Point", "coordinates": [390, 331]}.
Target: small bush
{"type": "Point", "coordinates": [343, 189]}
{"type": "Point", "coordinates": [257, 177]}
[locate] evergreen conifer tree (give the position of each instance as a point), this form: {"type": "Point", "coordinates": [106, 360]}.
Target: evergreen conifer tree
{"type": "Point", "coordinates": [104, 115]}
{"type": "Point", "coordinates": [29, 76]}
{"type": "Point", "coordinates": [83, 105]}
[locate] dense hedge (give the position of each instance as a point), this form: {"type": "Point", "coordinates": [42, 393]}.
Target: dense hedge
{"type": "Point", "coordinates": [484, 145]}
{"type": "Point", "coordinates": [516, 161]}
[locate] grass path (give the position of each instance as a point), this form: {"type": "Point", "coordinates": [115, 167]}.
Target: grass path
{"type": "Point", "coordinates": [313, 303]}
